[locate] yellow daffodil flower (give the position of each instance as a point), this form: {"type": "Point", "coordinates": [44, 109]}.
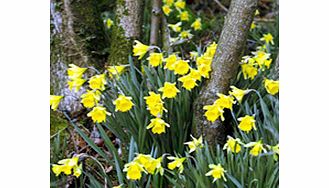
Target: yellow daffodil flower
{"type": "Point", "coordinates": [271, 86]}
{"type": "Point", "coordinates": [196, 25]}
{"type": "Point", "coordinates": [134, 170]}
{"type": "Point", "coordinates": [233, 145]}
{"type": "Point", "coordinates": [194, 144]}
{"type": "Point", "coordinates": [268, 38]}
{"type": "Point", "coordinates": [169, 90]}
{"type": "Point", "coordinates": [195, 74]}
{"type": "Point", "coordinates": [123, 103]}
{"type": "Point", "coordinates": [204, 70]}
{"type": "Point", "coordinates": [217, 172]}
{"type": "Point", "coordinates": [180, 4]}
{"type": "Point", "coordinates": [238, 93]}
{"type": "Point", "coordinates": [158, 126]}
{"type": "Point", "coordinates": [268, 63]}
{"type": "Point", "coordinates": [166, 9]}
{"type": "Point", "coordinates": [260, 57]}
{"type": "Point", "coordinates": [181, 67]}
{"type": "Point", "coordinates": [257, 148]}
{"type": "Point", "coordinates": [54, 101]}
{"type": "Point", "coordinates": [57, 169]}
{"type": "Point", "coordinates": [170, 62]}
{"type": "Point", "coordinates": [77, 170]}
{"type": "Point", "coordinates": [153, 99]}
{"type": "Point", "coordinates": [186, 34]}
{"type": "Point", "coordinates": [156, 109]}
{"type": "Point", "coordinates": [155, 59]}
{"type": "Point", "coordinates": [75, 72]}
{"type": "Point", "coordinates": [176, 27]}
{"type": "Point", "coordinates": [213, 112]}
{"type": "Point", "coordinates": [247, 123]}
{"type": "Point", "coordinates": [116, 70]}
{"type": "Point", "coordinates": [184, 16]}
{"type": "Point", "coordinates": [90, 98]}
{"type": "Point", "coordinates": [249, 71]}
{"type": "Point", "coordinates": [225, 101]}
{"type": "Point", "coordinates": [188, 82]}
{"type": "Point", "coordinates": [109, 23]}
{"type": "Point", "coordinates": [211, 50]}
{"type": "Point", "coordinates": [256, 12]}
{"type": "Point", "coordinates": [168, 2]}
{"type": "Point", "coordinates": [140, 49]}
{"type": "Point", "coordinates": [76, 83]}
{"type": "Point", "coordinates": [98, 114]}
{"type": "Point", "coordinates": [253, 26]}
{"type": "Point", "coordinates": [176, 163]}
{"type": "Point", "coordinates": [97, 82]}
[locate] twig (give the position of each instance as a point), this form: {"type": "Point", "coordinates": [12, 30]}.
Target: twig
{"type": "Point", "coordinates": [221, 5]}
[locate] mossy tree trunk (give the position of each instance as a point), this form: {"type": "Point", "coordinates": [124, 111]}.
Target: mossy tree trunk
{"type": "Point", "coordinates": [77, 36]}
{"type": "Point", "coordinates": [127, 27]}
{"type": "Point", "coordinates": [224, 67]}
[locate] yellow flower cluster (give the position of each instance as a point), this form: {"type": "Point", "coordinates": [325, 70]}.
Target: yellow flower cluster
{"type": "Point", "coordinates": [66, 166]}
{"type": "Point", "coordinates": [75, 74]}
{"type": "Point", "coordinates": [143, 163]}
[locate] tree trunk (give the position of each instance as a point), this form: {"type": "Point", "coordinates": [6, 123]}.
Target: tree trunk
{"type": "Point", "coordinates": [224, 67]}
{"type": "Point", "coordinates": [155, 22]}
{"type": "Point", "coordinates": [127, 27]}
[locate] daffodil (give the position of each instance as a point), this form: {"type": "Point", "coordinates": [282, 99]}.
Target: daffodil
{"type": "Point", "coordinates": [249, 71]}
{"type": "Point", "coordinates": [253, 26]}
{"type": "Point", "coordinates": [180, 4]}
{"type": "Point", "coordinates": [109, 23]}
{"type": "Point", "coordinates": [75, 72]}
{"type": "Point", "coordinates": [195, 74]}
{"type": "Point", "coordinates": [116, 70]}
{"type": "Point", "coordinates": [268, 63]}
{"type": "Point", "coordinates": [155, 59]}
{"type": "Point", "coordinates": [238, 93]}
{"type": "Point", "coordinates": [194, 144]}
{"type": "Point", "coordinates": [211, 50]}
{"type": "Point", "coordinates": [197, 24]}
{"type": "Point", "coordinates": [97, 82]}
{"type": "Point", "coordinates": [176, 163]}
{"type": "Point", "coordinates": [247, 123]}
{"type": "Point", "coordinates": [256, 12]}
{"type": "Point", "coordinates": [76, 83]}
{"type": "Point", "coordinates": [77, 170]}
{"type": "Point", "coordinates": [275, 150]}
{"type": "Point", "coordinates": [271, 86]}
{"type": "Point", "coordinates": [181, 67]}
{"type": "Point", "coordinates": [134, 170]}
{"type": "Point", "coordinates": [98, 114]}
{"type": "Point", "coordinates": [186, 34]}
{"type": "Point", "coordinates": [170, 62]}
{"type": "Point", "coordinates": [54, 101]}
{"type": "Point", "coordinates": [140, 49]}
{"type": "Point", "coordinates": [268, 38]}
{"type": "Point", "coordinates": [168, 2]}
{"type": "Point", "coordinates": [169, 90]}
{"type": "Point", "coordinates": [217, 172]}
{"type": "Point", "coordinates": [233, 145]}
{"type": "Point", "coordinates": [153, 99]}
{"type": "Point", "coordinates": [213, 112]}
{"type": "Point", "coordinates": [260, 57]}
{"type": "Point", "coordinates": [175, 27]}
{"type": "Point", "coordinates": [123, 103]}
{"type": "Point", "coordinates": [157, 109]}
{"type": "Point", "coordinates": [203, 60]}
{"type": "Point", "coordinates": [204, 70]}
{"type": "Point", "coordinates": [184, 16]}
{"type": "Point", "coordinates": [158, 125]}
{"type": "Point", "coordinates": [150, 164]}
{"type": "Point", "coordinates": [66, 166]}
{"type": "Point", "coordinates": [166, 9]}
{"type": "Point", "coordinates": [225, 101]}
{"type": "Point", "coordinates": [257, 148]}
{"type": "Point", "coordinates": [90, 98]}
{"type": "Point", "coordinates": [57, 169]}
{"type": "Point", "coordinates": [188, 82]}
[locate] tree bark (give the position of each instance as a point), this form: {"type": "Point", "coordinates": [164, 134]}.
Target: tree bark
{"type": "Point", "coordinates": [127, 28]}
{"type": "Point", "coordinates": [155, 22]}
{"type": "Point", "coordinates": [274, 74]}
{"type": "Point", "coordinates": [224, 67]}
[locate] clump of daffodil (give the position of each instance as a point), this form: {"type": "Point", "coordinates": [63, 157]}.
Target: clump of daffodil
{"type": "Point", "coordinates": [233, 145]}
{"type": "Point", "coordinates": [176, 27]}
{"type": "Point", "coordinates": [140, 49]}
{"type": "Point", "coordinates": [184, 16]}
{"type": "Point", "coordinates": [217, 172]}
{"type": "Point", "coordinates": [169, 90]}
{"type": "Point", "coordinates": [185, 34]}
{"type": "Point", "coordinates": [97, 82]}
{"type": "Point", "coordinates": [116, 70]}
{"type": "Point", "coordinates": [150, 164]}
{"type": "Point", "coordinates": [249, 71]}
{"type": "Point", "coordinates": [109, 23]}
{"type": "Point", "coordinates": [213, 112]}
{"type": "Point", "coordinates": [170, 62]}
{"type": "Point", "coordinates": [98, 114]}
{"type": "Point", "coordinates": [257, 148]}
{"type": "Point", "coordinates": [75, 72]}
{"type": "Point", "coordinates": [196, 25]}
{"type": "Point", "coordinates": [166, 9]}
{"type": "Point", "coordinates": [90, 98]}
{"type": "Point", "coordinates": [194, 144]}
{"type": "Point", "coordinates": [247, 123]}
{"type": "Point", "coordinates": [268, 38]}
{"type": "Point", "coordinates": [76, 83]}
{"type": "Point", "coordinates": [134, 170]}
{"type": "Point", "coordinates": [271, 86]}
{"type": "Point", "coordinates": [260, 57]}
{"type": "Point", "coordinates": [188, 82]}
{"type": "Point", "coordinates": [181, 67]}
{"type": "Point", "coordinates": [176, 163]}
{"type": "Point", "coordinates": [225, 101]}
{"type": "Point", "coordinates": [180, 4]}
{"type": "Point", "coordinates": [66, 166]}
{"type": "Point", "coordinates": [54, 101]}
{"type": "Point", "coordinates": [155, 104]}
{"type": "Point", "coordinates": [155, 59]}
{"type": "Point", "coordinates": [158, 126]}
{"type": "Point", "coordinates": [123, 103]}
{"type": "Point", "coordinates": [238, 93]}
